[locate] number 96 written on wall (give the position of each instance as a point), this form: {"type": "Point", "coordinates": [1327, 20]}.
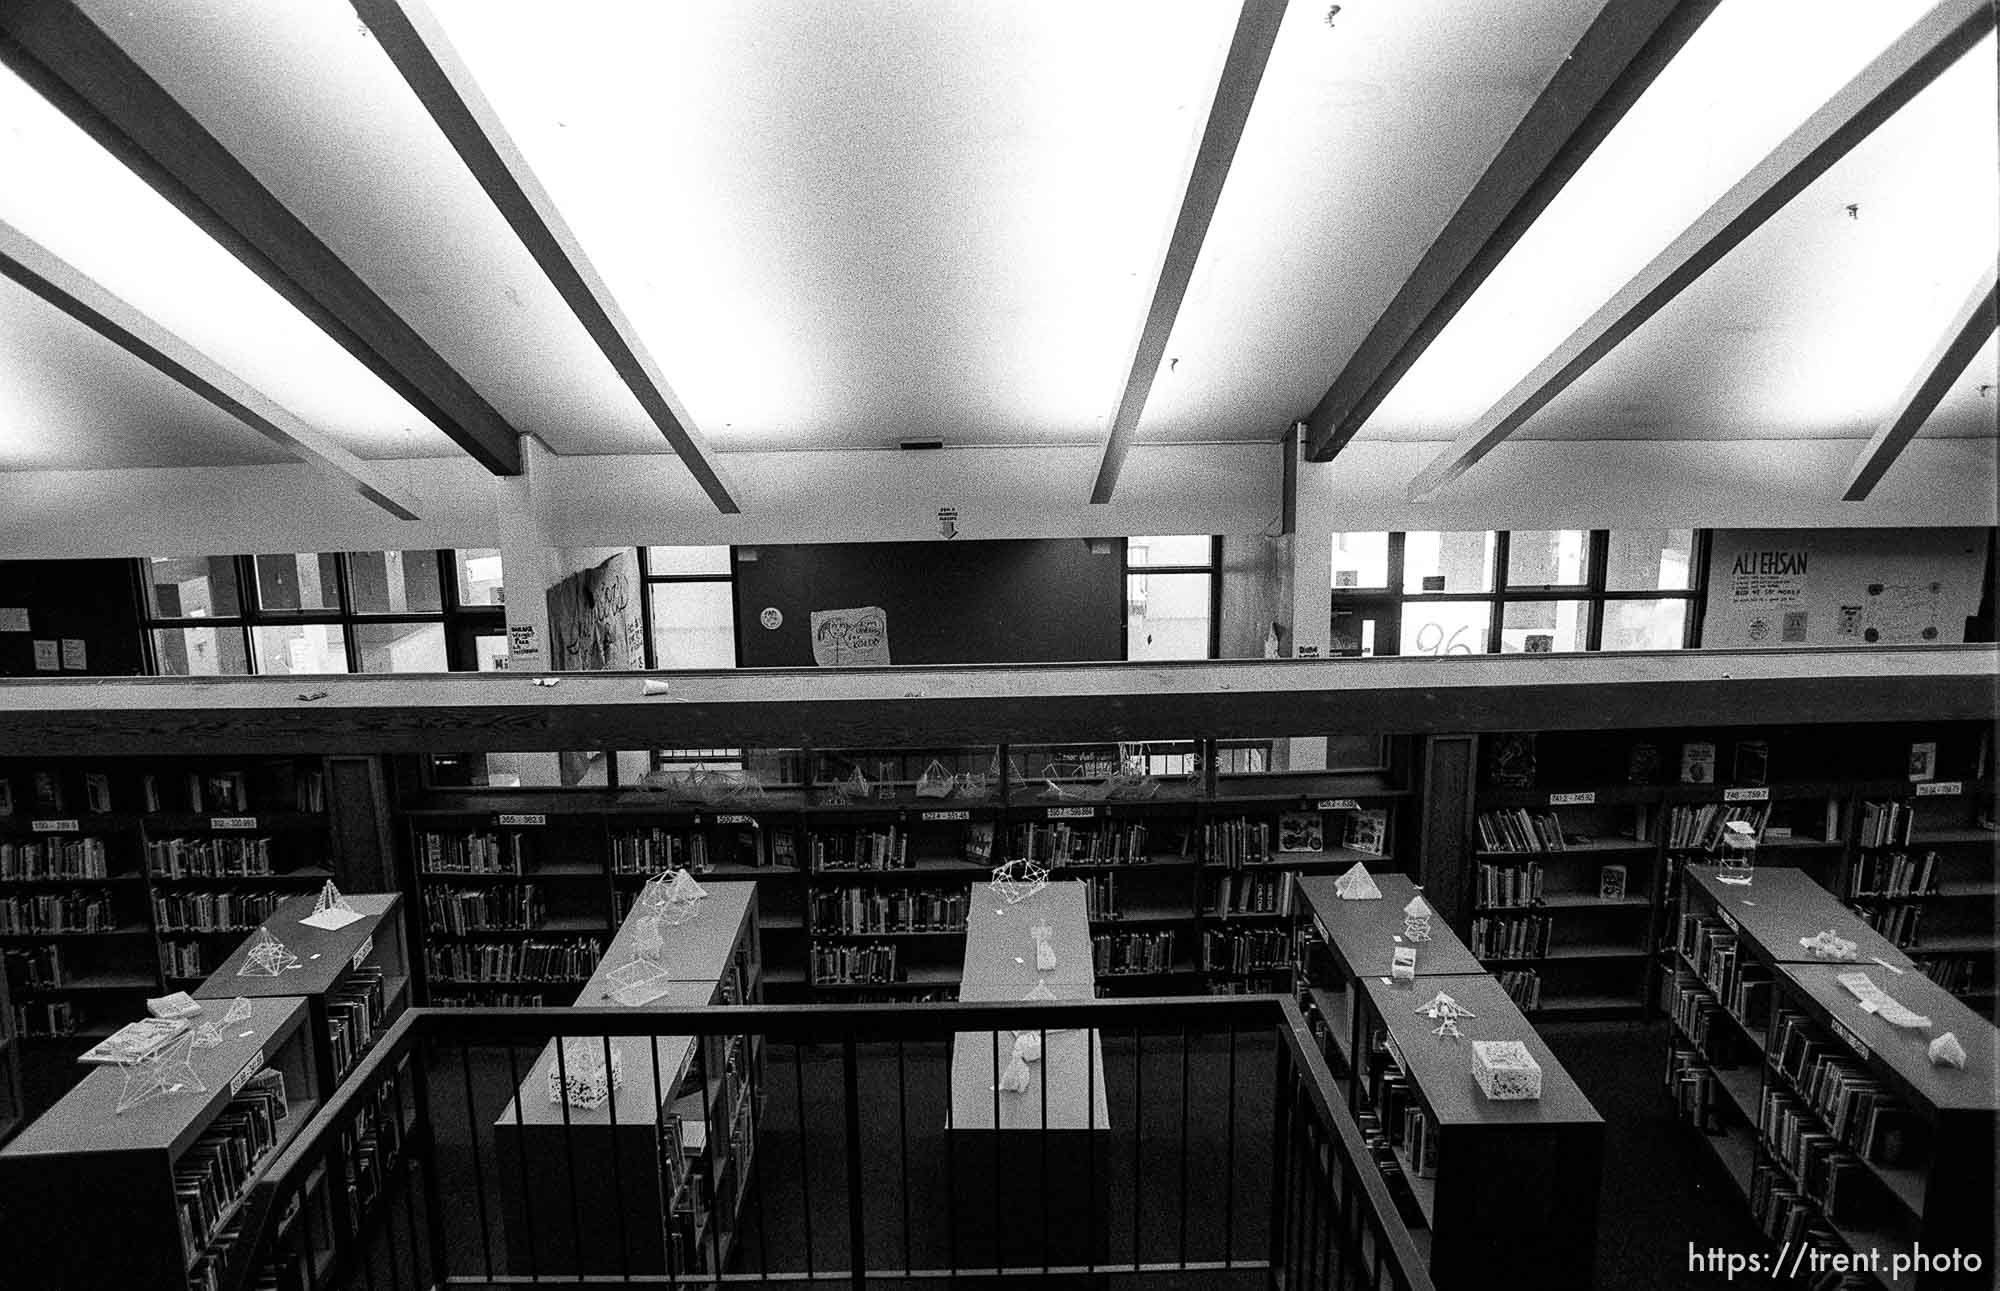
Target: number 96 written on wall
{"type": "Point", "coordinates": [1431, 640]}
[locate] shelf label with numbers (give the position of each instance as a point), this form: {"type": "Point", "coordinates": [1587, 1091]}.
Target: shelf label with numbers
{"type": "Point", "coordinates": [1728, 919]}
{"type": "Point", "coordinates": [735, 818]}
{"type": "Point", "coordinates": [232, 822]}
{"type": "Point", "coordinates": [1848, 1037]}
{"type": "Point", "coordinates": [1746, 795]}
{"type": "Point", "coordinates": [1940, 789]}
{"type": "Point", "coordinates": [1339, 804]}
{"type": "Point", "coordinates": [67, 826]}
{"type": "Point", "coordinates": [250, 1068]}
{"type": "Point", "coordinates": [535, 818]}
{"type": "Point", "coordinates": [1071, 813]}
{"type": "Point", "coordinates": [946, 815]}
{"type": "Point", "coordinates": [1583, 799]}
{"type": "Point", "coordinates": [363, 951]}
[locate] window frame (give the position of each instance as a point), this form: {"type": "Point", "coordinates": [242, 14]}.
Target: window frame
{"type": "Point", "coordinates": [648, 579]}
{"type": "Point", "coordinates": [1213, 569]}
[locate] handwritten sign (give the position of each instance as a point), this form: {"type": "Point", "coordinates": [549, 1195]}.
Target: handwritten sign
{"type": "Point", "coordinates": [1940, 789]}
{"type": "Point", "coordinates": [1071, 813]}
{"type": "Point", "coordinates": [1848, 1037]}
{"type": "Point", "coordinates": [67, 826]}
{"type": "Point", "coordinates": [232, 822]}
{"type": "Point", "coordinates": [1584, 799]}
{"type": "Point", "coordinates": [946, 815]}
{"type": "Point", "coordinates": [1338, 804]}
{"type": "Point", "coordinates": [250, 1068]}
{"type": "Point", "coordinates": [1746, 795]}
{"type": "Point", "coordinates": [363, 951]}
{"type": "Point", "coordinates": [533, 819]}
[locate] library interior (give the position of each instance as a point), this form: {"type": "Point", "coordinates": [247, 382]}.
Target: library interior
{"type": "Point", "coordinates": [993, 643]}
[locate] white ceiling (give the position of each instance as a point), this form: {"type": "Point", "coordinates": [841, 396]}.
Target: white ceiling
{"type": "Point", "coordinates": [843, 225]}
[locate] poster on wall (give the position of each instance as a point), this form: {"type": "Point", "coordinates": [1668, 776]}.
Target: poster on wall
{"type": "Point", "coordinates": [1772, 588]}
{"type": "Point", "coordinates": [594, 622]}
{"type": "Point", "coordinates": [851, 638]}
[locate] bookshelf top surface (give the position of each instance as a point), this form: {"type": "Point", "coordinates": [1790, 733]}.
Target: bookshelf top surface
{"type": "Point", "coordinates": [1364, 935]}
{"type": "Point", "coordinates": [1000, 951]}
{"type": "Point", "coordinates": [1782, 905]}
{"type": "Point", "coordinates": [696, 951]}
{"type": "Point", "coordinates": [1905, 1051]}
{"type": "Point", "coordinates": [87, 1119]}
{"type": "Point", "coordinates": [1442, 1067]}
{"type": "Point", "coordinates": [637, 1100]}
{"type": "Point", "coordinates": [323, 955]}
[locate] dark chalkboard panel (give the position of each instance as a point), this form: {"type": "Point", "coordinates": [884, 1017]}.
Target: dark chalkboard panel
{"type": "Point", "coordinates": [1029, 601]}
{"type": "Point", "coordinates": [89, 600]}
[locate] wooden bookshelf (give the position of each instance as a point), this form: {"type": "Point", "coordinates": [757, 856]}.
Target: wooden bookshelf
{"type": "Point", "coordinates": [1742, 1064]}
{"type": "Point", "coordinates": [87, 1193]}
{"type": "Point", "coordinates": [12, 1112]}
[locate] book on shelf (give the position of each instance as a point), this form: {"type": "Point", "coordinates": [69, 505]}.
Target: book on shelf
{"type": "Point", "coordinates": [1301, 831]}
{"type": "Point", "coordinates": [1517, 829]}
{"type": "Point", "coordinates": [1611, 883]}
{"type": "Point", "coordinates": [1698, 762]}
{"type": "Point", "coordinates": [135, 1041]}
{"type": "Point", "coordinates": [1510, 885]}
{"type": "Point", "coordinates": [1892, 874]}
{"type": "Point", "coordinates": [96, 792]}
{"type": "Point", "coordinates": [221, 1164]}
{"type": "Point", "coordinates": [1923, 760]}
{"type": "Point", "coordinates": [1239, 893]}
{"type": "Point", "coordinates": [1752, 763]}
{"type": "Point", "coordinates": [1510, 937]}
{"type": "Point", "coordinates": [1242, 951]}
{"type": "Point", "coordinates": [48, 796]}
{"type": "Point", "coordinates": [1884, 824]}
{"type": "Point", "coordinates": [1132, 952]}
{"type": "Point", "coordinates": [853, 911]}
{"type": "Point", "coordinates": [6, 797]}
{"type": "Point", "coordinates": [1368, 830]}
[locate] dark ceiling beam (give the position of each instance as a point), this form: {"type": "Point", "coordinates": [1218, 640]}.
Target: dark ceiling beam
{"type": "Point", "coordinates": [412, 38]}
{"type": "Point", "coordinates": [1969, 328]}
{"type": "Point", "coordinates": [1912, 62]}
{"type": "Point", "coordinates": [73, 64]}
{"type": "Point", "coordinates": [1617, 58]}
{"type": "Point", "coordinates": [61, 285]}
{"type": "Point", "coordinates": [1257, 26]}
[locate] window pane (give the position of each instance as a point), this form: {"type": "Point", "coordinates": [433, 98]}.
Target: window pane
{"type": "Point", "coordinates": [1548, 558]}
{"type": "Point", "coordinates": [395, 582]}
{"type": "Point", "coordinates": [301, 647]}
{"type": "Point", "coordinates": [687, 560]}
{"type": "Point", "coordinates": [1544, 627]}
{"type": "Point", "coordinates": [1645, 625]}
{"type": "Point", "coordinates": [1357, 752]}
{"type": "Point", "coordinates": [401, 647]}
{"type": "Point", "coordinates": [694, 625]}
{"type": "Point", "coordinates": [1446, 627]}
{"type": "Point", "coordinates": [1189, 549]}
{"type": "Point", "coordinates": [517, 770]}
{"type": "Point", "coordinates": [302, 582]}
{"type": "Point", "coordinates": [1166, 616]}
{"type": "Point", "coordinates": [201, 652]}
{"type": "Point", "coordinates": [1360, 560]}
{"type": "Point", "coordinates": [192, 587]}
{"type": "Point", "coordinates": [489, 649]}
{"type": "Point", "coordinates": [1448, 562]}
{"type": "Point", "coordinates": [1649, 560]}
{"type": "Point", "coordinates": [479, 577]}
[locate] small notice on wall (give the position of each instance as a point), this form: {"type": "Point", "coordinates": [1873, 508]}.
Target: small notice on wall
{"type": "Point", "coordinates": [524, 646]}
{"type": "Point", "coordinates": [75, 657]}
{"type": "Point", "coordinates": [848, 638]}
{"type": "Point", "coordinates": [13, 618]}
{"type": "Point", "coordinates": [48, 658]}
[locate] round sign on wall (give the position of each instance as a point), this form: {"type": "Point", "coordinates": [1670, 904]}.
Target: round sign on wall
{"type": "Point", "coordinates": [771, 618]}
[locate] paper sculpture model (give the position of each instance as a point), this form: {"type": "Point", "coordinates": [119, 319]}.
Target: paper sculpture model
{"type": "Point", "coordinates": [581, 1077]}
{"type": "Point", "coordinates": [170, 1071]}
{"type": "Point", "coordinates": [673, 897]}
{"type": "Point", "coordinates": [1505, 1070]}
{"type": "Point", "coordinates": [207, 1036]}
{"type": "Point", "coordinates": [267, 957]}
{"type": "Point", "coordinates": [239, 1010]}
{"type": "Point", "coordinates": [1827, 944]}
{"type": "Point", "coordinates": [641, 979]}
{"type": "Point", "coordinates": [1045, 954]}
{"type": "Point", "coordinates": [1417, 919]}
{"type": "Point", "coordinates": [1445, 1011]}
{"type": "Point", "coordinates": [1357, 884]}
{"type": "Point", "coordinates": [1403, 964]}
{"type": "Point", "coordinates": [1027, 1048]}
{"type": "Point", "coordinates": [329, 898]}
{"type": "Point", "coordinates": [1875, 1000]}
{"type": "Point", "coordinates": [1737, 861]}
{"type": "Point", "coordinates": [1946, 1051]}
{"type": "Point", "coordinates": [1016, 881]}
{"type": "Point", "coordinates": [1039, 991]}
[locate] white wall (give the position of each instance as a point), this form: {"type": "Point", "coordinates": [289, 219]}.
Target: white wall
{"type": "Point", "coordinates": [1772, 588]}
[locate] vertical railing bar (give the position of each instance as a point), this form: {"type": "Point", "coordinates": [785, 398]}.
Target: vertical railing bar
{"type": "Point", "coordinates": [1296, 1223]}
{"type": "Point", "coordinates": [420, 1094]}
{"type": "Point", "coordinates": [409, 1193]}
{"type": "Point", "coordinates": [478, 1170]}
{"type": "Point", "coordinates": [856, 1236]}
{"type": "Point", "coordinates": [997, 1227]}
{"type": "Point", "coordinates": [1138, 1134]}
{"type": "Point", "coordinates": [711, 1074]}
{"type": "Point", "coordinates": [1309, 1228]}
{"type": "Point", "coordinates": [1281, 1137]}
{"type": "Point", "coordinates": [569, 1157]}
{"type": "Point", "coordinates": [618, 1168]}
{"type": "Point", "coordinates": [1184, 1145]}
{"type": "Point", "coordinates": [1350, 1221]}
{"type": "Point", "coordinates": [952, 1131]}
{"type": "Point", "coordinates": [1090, 1149]}
{"type": "Point", "coordinates": [521, 1160]}
{"type": "Point", "coordinates": [753, 1075]}
{"type": "Point", "coordinates": [1229, 1156]}
{"type": "Point", "coordinates": [1043, 1033]}
{"type": "Point", "coordinates": [805, 1173]}
{"type": "Point", "coordinates": [1329, 1230]}
{"type": "Point", "coordinates": [903, 1146]}
{"type": "Point", "coordinates": [669, 1186]}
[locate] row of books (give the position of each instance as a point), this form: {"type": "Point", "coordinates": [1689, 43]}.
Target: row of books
{"type": "Point", "coordinates": [1523, 986]}
{"type": "Point", "coordinates": [214, 911]}
{"type": "Point", "coordinates": [482, 909]}
{"type": "Point", "coordinates": [1109, 843]}
{"type": "Point", "coordinates": [858, 910]}
{"type": "Point", "coordinates": [861, 849]}
{"type": "Point", "coordinates": [1892, 874]}
{"type": "Point", "coordinates": [836, 965]}
{"type": "Point", "coordinates": [219, 1165]}
{"type": "Point", "coordinates": [1787, 1216]}
{"type": "Point", "coordinates": [58, 912]}
{"type": "Point", "coordinates": [35, 967]}
{"type": "Point", "coordinates": [471, 852]}
{"type": "Point", "coordinates": [1700, 1018]}
{"type": "Point", "coordinates": [1822, 1168]}
{"type": "Point", "coordinates": [1899, 921]}
{"type": "Point", "coordinates": [1510, 937]}
{"type": "Point", "coordinates": [232, 857]}
{"type": "Point", "coordinates": [1692, 1088]}
{"type": "Point", "coordinates": [1244, 950]}
{"type": "Point", "coordinates": [188, 960]}
{"type": "Point", "coordinates": [1956, 973]}
{"type": "Point", "coordinates": [1713, 951]}
{"type": "Point", "coordinates": [486, 1000]}
{"type": "Point", "coordinates": [655, 850]}
{"type": "Point", "coordinates": [1884, 824]}
{"type": "Point", "coordinates": [55, 858]}
{"type": "Point", "coordinates": [1510, 885]}
{"type": "Point", "coordinates": [292, 788]}
{"type": "Point", "coordinates": [372, 1148]}
{"type": "Point", "coordinates": [1252, 893]}
{"type": "Point", "coordinates": [571, 959]}
{"type": "Point", "coordinates": [356, 1008]}
{"type": "Point", "coordinates": [1853, 1105]}
{"type": "Point", "coordinates": [1237, 842]}
{"type": "Point", "coordinates": [1699, 827]}
{"type": "Point", "coordinates": [46, 1018]}
{"type": "Point", "coordinates": [1517, 829]}
{"type": "Point", "coordinates": [1132, 952]}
